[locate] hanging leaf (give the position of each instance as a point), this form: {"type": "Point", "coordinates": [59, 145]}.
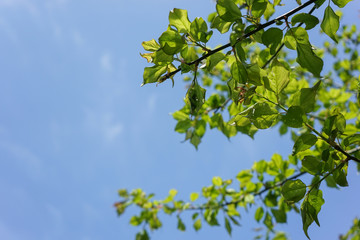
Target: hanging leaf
{"type": "Point", "coordinates": [330, 23]}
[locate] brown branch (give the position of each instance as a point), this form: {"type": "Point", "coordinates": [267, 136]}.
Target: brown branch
{"type": "Point", "coordinates": [260, 27]}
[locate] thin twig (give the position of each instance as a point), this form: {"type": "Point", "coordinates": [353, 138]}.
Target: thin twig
{"type": "Point", "coordinates": [260, 27]}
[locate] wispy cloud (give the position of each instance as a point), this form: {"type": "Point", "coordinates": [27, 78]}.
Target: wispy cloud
{"type": "Point", "coordinates": [27, 4]}
{"type": "Point", "coordinates": [106, 62]}
{"type": "Point", "coordinates": [24, 157]}
{"type": "Point", "coordinates": [103, 124]}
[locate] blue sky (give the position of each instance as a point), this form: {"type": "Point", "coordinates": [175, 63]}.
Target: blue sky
{"type": "Point", "coordinates": [75, 126]}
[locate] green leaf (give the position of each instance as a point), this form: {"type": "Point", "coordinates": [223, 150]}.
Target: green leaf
{"type": "Point", "coordinates": [198, 30]}
{"type": "Point", "coordinates": [217, 181]}
{"type": "Point", "coordinates": [294, 117]}
{"type": "Point", "coordinates": [306, 98]}
{"type": "Point", "coordinates": [152, 74]}
{"type": "Point", "coordinates": [272, 38]}
{"type": "Point", "coordinates": [228, 10]}
{"type": "Point", "coordinates": [278, 76]}
{"type": "Point", "coordinates": [258, 8]}
{"type": "Point", "coordinates": [143, 235]}
{"type": "Point", "coordinates": [340, 3]}
{"type": "Point", "coordinates": [312, 165]}
{"type": "Point", "coordinates": [161, 58]}
{"type": "Point", "coordinates": [259, 214]}
{"type": "Point", "coordinates": [194, 196]}
{"type": "Point", "coordinates": [330, 23]}
{"type": "Point", "coordinates": [261, 115]}
{"type": "Point", "coordinates": [340, 177]}
{"type": "Point", "coordinates": [179, 19]}
{"type": "Point", "coordinates": [293, 190]}
{"type": "Point", "coordinates": [304, 142]}
{"type": "Point", "coordinates": [171, 42]}
{"type": "Point", "coordinates": [213, 60]}
{"type": "Point", "coordinates": [221, 25]}
{"type": "Point", "coordinates": [238, 73]}
{"type": "Point", "coordinates": [197, 224]}
{"type": "Point", "coordinates": [310, 208]}
{"type": "Point", "coordinates": [353, 139]}
{"type": "Point", "coordinates": [151, 45]}
{"type": "Point", "coordinates": [181, 226]}
{"type": "Point", "coordinates": [308, 60]}
{"type": "Point", "coordinates": [280, 215]}
{"type": "Point", "coordinates": [195, 97]}
{"type": "Point", "coordinates": [183, 126]}
{"type": "Point", "coordinates": [309, 20]}
{"type": "Point", "coordinates": [268, 221]}
{"type": "Point", "coordinates": [228, 226]}
{"type": "Point", "coordinates": [253, 73]}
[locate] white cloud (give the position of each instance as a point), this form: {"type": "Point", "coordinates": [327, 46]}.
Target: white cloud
{"type": "Point", "coordinates": [27, 4]}
{"type": "Point", "coordinates": [9, 234]}
{"type": "Point", "coordinates": [24, 157]}
{"type": "Point", "coordinates": [103, 124]}
{"type": "Point", "coordinates": [106, 62]}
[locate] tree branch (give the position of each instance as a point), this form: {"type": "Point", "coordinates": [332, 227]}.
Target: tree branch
{"type": "Point", "coordinates": [260, 27]}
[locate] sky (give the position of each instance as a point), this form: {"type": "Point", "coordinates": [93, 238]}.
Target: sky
{"type": "Point", "coordinates": [75, 126]}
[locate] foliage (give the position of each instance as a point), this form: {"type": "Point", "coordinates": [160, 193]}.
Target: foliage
{"type": "Point", "coordinates": [258, 85]}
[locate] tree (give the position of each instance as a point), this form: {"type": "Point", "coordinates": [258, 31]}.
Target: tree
{"type": "Point", "coordinates": [268, 75]}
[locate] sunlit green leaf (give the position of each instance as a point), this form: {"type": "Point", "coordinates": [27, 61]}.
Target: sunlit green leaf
{"type": "Point", "coordinates": [272, 38]}
{"type": "Point", "coordinates": [312, 165]}
{"type": "Point", "coordinates": [330, 23]}
{"type": "Point", "coordinates": [151, 45]}
{"type": "Point", "coordinates": [152, 74]}
{"type": "Point", "coordinates": [278, 76]}
{"type": "Point", "coordinates": [309, 20]}
{"type": "Point", "coordinates": [228, 10]}
{"type": "Point", "coordinates": [305, 141]}
{"type": "Point", "coordinates": [341, 3]}
{"type": "Point", "coordinates": [308, 59]}
{"type": "Point", "coordinates": [171, 42]}
{"type": "Point", "coordinates": [179, 19]}
{"type": "Point", "coordinates": [294, 117]}
{"type": "Point", "coordinates": [293, 190]}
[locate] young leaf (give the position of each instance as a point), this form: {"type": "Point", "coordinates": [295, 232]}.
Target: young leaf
{"type": "Point", "coordinates": [228, 10]}
{"type": "Point", "coordinates": [228, 226]}
{"type": "Point", "coordinates": [259, 214]}
{"type": "Point", "coordinates": [171, 42]}
{"type": "Point", "coordinates": [194, 196]}
{"type": "Point", "coordinates": [181, 226]}
{"type": "Point", "coordinates": [221, 25]}
{"type": "Point", "coordinates": [330, 23]}
{"type": "Point", "coordinates": [151, 45]}
{"type": "Point", "coordinates": [179, 19]}
{"type": "Point", "coordinates": [341, 3]}
{"type": "Point", "coordinates": [152, 74]}
{"type": "Point", "coordinates": [293, 190]}
{"type": "Point", "coordinates": [198, 30]}
{"type": "Point", "coordinates": [217, 181]}
{"type": "Point", "coordinates": [304, 142]}
{"type": "Point", "coordinates": [197, 224]}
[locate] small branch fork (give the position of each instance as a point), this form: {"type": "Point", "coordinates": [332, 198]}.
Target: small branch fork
{"type": "Point", "coordinates": [260, 27]}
